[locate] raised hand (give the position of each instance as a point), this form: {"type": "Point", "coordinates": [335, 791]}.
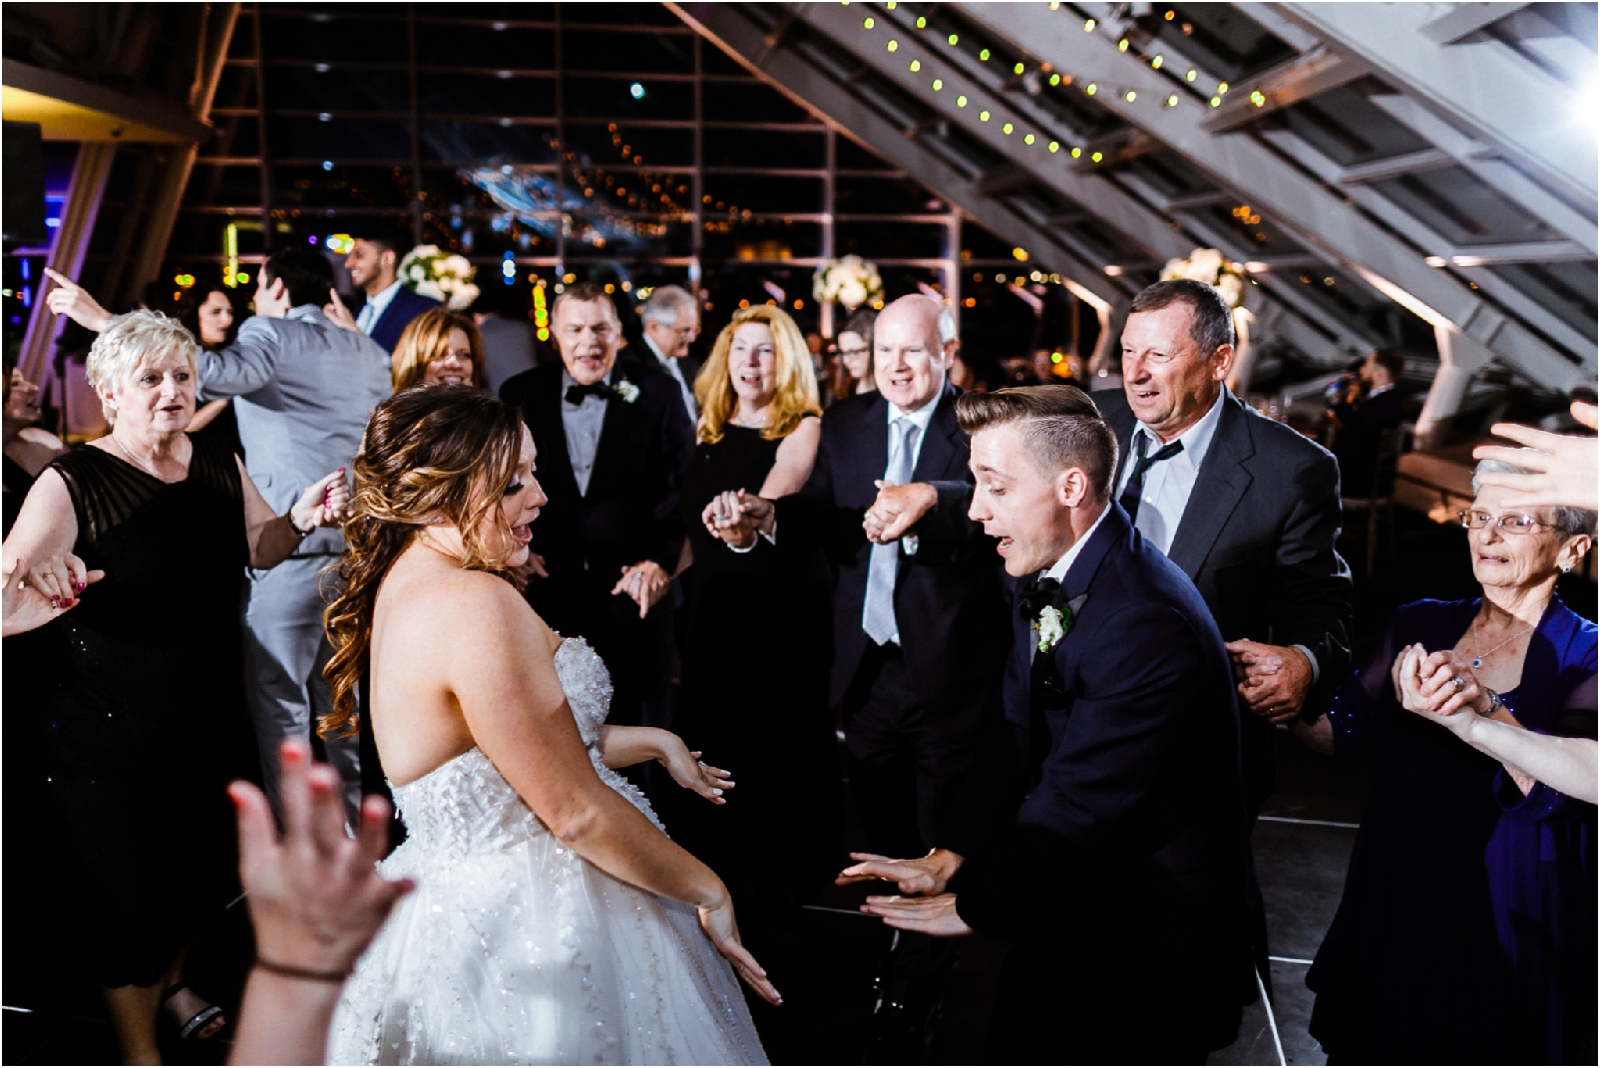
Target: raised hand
{"type": "Point", "coordinates": [929, 915]}
{"type": "Point", "coordinates": [1565, 470]}
{"type": "Point", "coordinates": [325, 503]}
{"type": "Point", "coordinates": [72, 300]}
{"type": "Point", "coordinates": [897, 510]}
{"type": "Point", "coordinates": [338, 314]}
{"type": "Point", "coordinates": [719, 925]}
{"type": "Point", "coordinates": [27, 606]}
{"type": "Point", "coordinates": [646, 582]}
{"type": "Point", "coordinates": [924, 876]}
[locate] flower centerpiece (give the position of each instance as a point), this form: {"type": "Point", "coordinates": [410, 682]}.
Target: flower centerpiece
{"type": "Point", "coordinates": [446, 277]}
{"type": "Point", "coordinates": [848, 280]}
{"type": "Point", "coordinates": [1214, 269]}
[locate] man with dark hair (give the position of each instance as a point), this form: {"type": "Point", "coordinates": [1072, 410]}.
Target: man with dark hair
{"type": "Point", "coordinates": [1371, 406]}
{"type": "Point", "coordinates": [303, 390]}
{"type": "Point", "coordinates": [1129, 847]}
{"type": "Point", "coordinates": [390, 305]}
{"type": "Point", "coordinates": [612, 438]}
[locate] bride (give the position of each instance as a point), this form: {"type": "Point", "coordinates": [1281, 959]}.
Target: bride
{"type": "Point", "coordinates": [553, 920]}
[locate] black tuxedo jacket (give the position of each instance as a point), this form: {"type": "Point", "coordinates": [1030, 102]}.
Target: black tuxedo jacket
{"type": "Point", "coordinates": [1131, 845]}
{"type": "Point", "coordinates": [631, 510]}
{"type": "Point", "coordinates": [1355, 445]}
{"type": "Point", "coordinates": [948, 600]}
{"type": "Point", "coordinates": [1257, 539]}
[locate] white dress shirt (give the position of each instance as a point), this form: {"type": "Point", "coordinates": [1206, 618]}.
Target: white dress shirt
{"type": "Point", "coordinates": [374, 308]}
{"type": "Point", "coordinates": [1168, 484]}
{"type": "Point", "coordinates": [670, 365]}
{"type": "Point", "coordinates": [582, 423]}
{"type": "Point", "coordinates": [1059, 569]}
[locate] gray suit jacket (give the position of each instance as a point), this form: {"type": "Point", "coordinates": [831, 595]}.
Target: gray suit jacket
{"type": "Point", "coordinates": [303, 391]}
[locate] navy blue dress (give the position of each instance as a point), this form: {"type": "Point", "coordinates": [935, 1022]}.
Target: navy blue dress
{"type": "Point", "coordinates": [1467, 930]}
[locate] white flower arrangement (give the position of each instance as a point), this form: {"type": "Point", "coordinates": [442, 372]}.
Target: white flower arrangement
{"type": "Point", "coordinates": [445, 277]}
{"type": "Point", "coordinates": [627, 391]}
{"type": "Point", "coordinates": [1214, 269]}
{"type": "Point", "coordinates": [849, 280]}
{"type": "Point", "coordinates": [1049, 626]}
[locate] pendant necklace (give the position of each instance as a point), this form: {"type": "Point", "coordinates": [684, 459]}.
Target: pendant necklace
{"type": "Point", "coordinates": [1478, 660]}
{"type": "Point", "coordinates": [134, 459]}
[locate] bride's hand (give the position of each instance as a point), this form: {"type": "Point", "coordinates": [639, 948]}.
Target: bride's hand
{"type": "Point", "coordinates": [719, 925]}
{"type": "Point", "coordinates": [692, 773]}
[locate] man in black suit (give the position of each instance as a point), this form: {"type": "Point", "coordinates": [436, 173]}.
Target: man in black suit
{"type": "Point", "coordinates": [671, 323]}
{"type": "Point", "coordinates": [1118, 882]}
{"type": "Point", "coordinates": [919, 618]}
{"type": "Point", "coordinates": [1360, 419]}
{"type": "Point", "coordinates": [612, 439]}
{"type": "Point", "coordinates": [390, 304]}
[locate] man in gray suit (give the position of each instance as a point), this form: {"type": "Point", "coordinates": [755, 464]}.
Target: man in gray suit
{"type": "Point", "coordinates": [303, 391]}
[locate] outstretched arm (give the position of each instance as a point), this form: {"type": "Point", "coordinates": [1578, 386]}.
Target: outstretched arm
{"type": "Point", "coordinates": [623, 747]}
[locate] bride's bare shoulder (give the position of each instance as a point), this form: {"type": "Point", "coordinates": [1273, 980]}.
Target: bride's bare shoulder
{"type": "Point", "coordinates": [440, 594]}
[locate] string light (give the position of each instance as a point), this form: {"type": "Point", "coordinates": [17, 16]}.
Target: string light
{"type": "Point", "coordinates": [1006, 129]}
{"type": "Point", "coordinates": [954, 38]}
{"type": "Point", "coordinates": [1222, 87]}
{"type": "Point", "coordinates": [938, 83]}
{"type": "Point", "coordinates": [1088, 25]}
{"type": "Point", "coordinates": [1122, 45]}
{"type": "Point", "coordinates": [892, 45]}
{"type": "Point", "coordinates": [961, 101]}
{"type": "Point", "coordinates": [921, 22]}
{"type": "Point", "coordinates": [1258, 98]}
{"type": "Point", "coordinates": [984, 55]}
{"type": "Point", "coordinates": [1172, 100]}
{"type": "Point", "coordinates": [1027, 139]}
{"type": "Point", "coordinates": [1216, 101]}
{"type": "Point", "coordinates": [1130, 96]}
{"type": "Point", "coordinates": [983, 116]}
{"type": "Point", "coordinates": [1090, 88]}
{"type": "Point", "coordinates": [1018, 69]}
{"type": "Point", "coordinates": [1155, 63]}
{"type": "Point", "coordinates": [1189, 77]}
{"type": "Point", "coordinates": [1054, 146]}
{"type": "Point", "coordinates": [1096, 157]}
{"type": "Point", "coordinates": [916, 65]}
{"type": "Point", "coordinates": [1055, 79]}
{"type": "Point", "coordinates": [1076, 152]}
{"type": "Point", "coordinates": [867, 23]}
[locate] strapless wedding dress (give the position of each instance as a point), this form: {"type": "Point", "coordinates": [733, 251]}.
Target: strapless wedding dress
{"type": "Point", "coordinates": [515, 950]}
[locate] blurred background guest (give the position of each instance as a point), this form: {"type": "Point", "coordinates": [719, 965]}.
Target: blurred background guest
{"type": "Point", "coordinates": [27, 447]}
{"type": "Point", "coordinates": [501, 314]}
{"type": "Point", "coordinates": [752, 615]}
{"type": "Point", "coordinates": [1467, 874]}
{"type": "Point", "coordinates": [671, 323]}
{"type": "Point", "coordinates": [852, 370]}
{"type": "Point", "coordinates": [439, 347]}
{"type": "Point", "coordinates": [390, 304]}
{"type": "Point", "coordinates": [144, 714]}
{"type": "Point", "coordinates": [1362, 406]}
{"type": "Point", "coordinates": [206, 311]}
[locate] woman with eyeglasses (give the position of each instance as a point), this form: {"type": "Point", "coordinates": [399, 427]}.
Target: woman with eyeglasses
{"type": "Point", "coordinates": [1467, 930]}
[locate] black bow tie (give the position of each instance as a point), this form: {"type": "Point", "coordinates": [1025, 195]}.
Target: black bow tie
{"type": "Point", "coordinates": [575, 393]}
{"type": "Point", "coordinates": [1036, 595]}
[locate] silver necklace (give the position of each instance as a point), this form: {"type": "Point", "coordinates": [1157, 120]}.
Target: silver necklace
{"type": "Point", "coordinates": [1478, 660]}
{"type": "Point", "coordinates": [152, 472]}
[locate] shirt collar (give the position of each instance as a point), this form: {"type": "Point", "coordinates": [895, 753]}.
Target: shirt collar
{"type": "Point", "coordinates": [1197, 439]}
{"type": "Point", "coordinates": [919, 418]}
{"type": "Point", "coordinates": [567, 382]}
{"type": "Point", "coordinates": [1376, 391]}
{"type": "Point", "coordinates": [1059, 569]}
{"type": "Point", "coordinates": [385, 296]}
{"type": "Point", "coordinates": [651, 345]}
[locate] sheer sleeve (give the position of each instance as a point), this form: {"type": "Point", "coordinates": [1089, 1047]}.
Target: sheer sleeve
{"type": "Point", "coordinates": [1543, 803]}
{"type": "Point", "coordinates": [1354, 711]}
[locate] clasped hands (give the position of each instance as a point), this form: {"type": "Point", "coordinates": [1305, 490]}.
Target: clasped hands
{"type": "Point", "coordinates": [1273, 679]}
{"type": "Point", "coordinates": [922, 904]}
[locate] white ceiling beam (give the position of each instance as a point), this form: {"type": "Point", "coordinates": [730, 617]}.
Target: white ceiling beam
{"type": "Point", "coordinates": [1464, 20]}
{"type": "Point", "coordinates": [1299, 79]}
{"type": "Point", "coordinates": [1480, 85]}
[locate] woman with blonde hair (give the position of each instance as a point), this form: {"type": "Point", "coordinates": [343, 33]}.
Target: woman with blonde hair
{"type": "Point", "coordinates": [440, 347]}
{"type": "Point", "coordinates": [552, 921]}
{"type": "Point", "coordinates": [751, 615]}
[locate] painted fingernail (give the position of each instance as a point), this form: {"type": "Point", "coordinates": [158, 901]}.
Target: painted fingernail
{"type": "Point", "coordinates": [78, 586]}
{"type": "Point", "coordinates": [717, 792]}
{"type": "Point", "coordinates": [69, 602]}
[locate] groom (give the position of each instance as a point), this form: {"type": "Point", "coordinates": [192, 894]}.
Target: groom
{"type": "Point", "coordinates": [1119, 880]}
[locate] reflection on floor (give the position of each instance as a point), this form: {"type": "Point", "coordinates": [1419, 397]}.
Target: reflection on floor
{"type": "Point", "coordinates": [1302, 847]}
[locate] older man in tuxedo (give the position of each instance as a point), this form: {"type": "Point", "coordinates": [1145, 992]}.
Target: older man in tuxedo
{"type": "Point", "coordinates": [1118, 882]}
{"type": "Point", "coordinates": [612, 438]}
{"type": "Point", "coordinates": [919, 618]}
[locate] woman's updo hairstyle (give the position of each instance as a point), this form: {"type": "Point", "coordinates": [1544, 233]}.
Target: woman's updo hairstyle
{"type": "Point", "coordinates": [430, 455]}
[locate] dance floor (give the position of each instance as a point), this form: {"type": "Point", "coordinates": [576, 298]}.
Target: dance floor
{"type": "Point", "coordinates": [1302, 845]}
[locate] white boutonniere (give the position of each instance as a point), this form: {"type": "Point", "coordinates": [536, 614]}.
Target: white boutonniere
{"type": "Point", "coordinates": [1049, 627]}
{"type": "Point", "coordinates": [626, 391]}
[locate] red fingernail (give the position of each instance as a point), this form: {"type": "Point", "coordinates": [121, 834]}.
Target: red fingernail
{"type": "Point", "coordinates": [78, 586]}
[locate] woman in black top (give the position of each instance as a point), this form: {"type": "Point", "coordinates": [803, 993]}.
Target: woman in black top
{"type": "Point", "coordinates": [143, 716]}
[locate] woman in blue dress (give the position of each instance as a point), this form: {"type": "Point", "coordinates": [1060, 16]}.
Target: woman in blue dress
{"type": "Point", "coordinates": [1467, 930]}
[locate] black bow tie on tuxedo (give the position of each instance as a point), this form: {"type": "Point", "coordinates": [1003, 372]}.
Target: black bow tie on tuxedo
{"type": "Point", "coordinates": [1037, 594]}
{"type": "Point", "coordinates": [576, 393]}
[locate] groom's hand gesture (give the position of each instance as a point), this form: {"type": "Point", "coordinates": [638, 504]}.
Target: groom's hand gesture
{"type": "Point", "coordinates": [928, 915]}
{"type": "Point", "coordinates": [924, 876]}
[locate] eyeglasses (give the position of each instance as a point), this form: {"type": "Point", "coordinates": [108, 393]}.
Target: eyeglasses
{"type": "Point", "coordinates": [862, 351]}
{"type": "Point", "coordinates": [1510, 523]}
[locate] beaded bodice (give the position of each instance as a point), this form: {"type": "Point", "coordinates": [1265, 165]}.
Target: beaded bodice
{"type": "Point", "coordinates": [465, 806]}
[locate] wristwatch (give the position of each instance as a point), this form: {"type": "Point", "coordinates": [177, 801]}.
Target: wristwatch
{"type": "Point", "coordinates": [1495, 704]}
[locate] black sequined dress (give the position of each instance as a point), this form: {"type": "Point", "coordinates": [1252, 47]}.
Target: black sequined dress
{"type": "Point", "coordinates": [143, 712]}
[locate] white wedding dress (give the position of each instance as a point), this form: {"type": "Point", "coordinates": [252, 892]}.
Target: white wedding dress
{"type": "Point", "coordinates": [515, 950]}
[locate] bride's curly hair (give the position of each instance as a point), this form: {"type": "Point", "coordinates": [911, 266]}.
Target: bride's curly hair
{"type": "Point", "coordinates": [430, 454]}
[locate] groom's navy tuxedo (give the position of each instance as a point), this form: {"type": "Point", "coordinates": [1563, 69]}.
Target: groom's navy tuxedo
{"type": "Point", "coordinates": [1121, 877]}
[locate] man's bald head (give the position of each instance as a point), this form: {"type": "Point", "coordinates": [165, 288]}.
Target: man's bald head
{"type": "Point", "coordinates": [914, 342]}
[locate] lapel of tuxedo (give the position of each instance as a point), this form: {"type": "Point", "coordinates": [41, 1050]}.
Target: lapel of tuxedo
{"type": "Point", "coordinates": [555, 464]}
{"type": "Point", "coordinates": [1219, 486]}
{"type": "Point", "coordinates": [943, 441]}
{"type": "Point", "coordinates": [872, 456]}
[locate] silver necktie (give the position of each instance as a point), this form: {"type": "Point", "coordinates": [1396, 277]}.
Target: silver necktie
{"type": "Point", "coordinates": [877, 615]}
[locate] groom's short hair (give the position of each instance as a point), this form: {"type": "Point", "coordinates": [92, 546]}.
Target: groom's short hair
{"type": "Point", "coordinates": [1063, 427]}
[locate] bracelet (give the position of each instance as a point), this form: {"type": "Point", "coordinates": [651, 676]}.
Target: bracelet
{"type": "Point", "coordinates": [301, 973]}
{"type": "Point", "coordinates": [288, 517]}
